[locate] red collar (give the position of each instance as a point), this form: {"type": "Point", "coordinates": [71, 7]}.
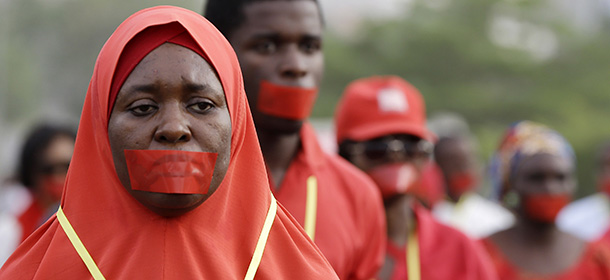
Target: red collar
{"type": "Point", "coordinates": [314, 155]}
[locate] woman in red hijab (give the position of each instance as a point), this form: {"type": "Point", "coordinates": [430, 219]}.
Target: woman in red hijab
{"type": "Point", "coordinates": [167, 180]}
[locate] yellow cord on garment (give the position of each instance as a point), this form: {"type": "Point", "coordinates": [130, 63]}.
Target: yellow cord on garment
{"type": "Point", "coordinates": [262, 240]}
{"type": "Point", "coordinates": [311, 207]}
{"type": "Point", "coordinates": [78, 245]}
{"type": "Point", "coordinates": [413, 265]}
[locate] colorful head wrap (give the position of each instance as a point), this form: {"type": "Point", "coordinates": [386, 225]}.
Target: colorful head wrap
{"type": "Point", "coordinates": [522, 139]}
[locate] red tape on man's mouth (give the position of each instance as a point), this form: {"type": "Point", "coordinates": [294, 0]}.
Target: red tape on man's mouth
{"type": "Point", "coordinates": [170, 171]}
{"type": "Point", "coordinates": [286, 102]}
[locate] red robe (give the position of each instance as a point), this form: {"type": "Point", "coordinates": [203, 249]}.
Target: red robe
{"type": "Point", "coordinates": [593, 265]}
{"type": "Point", "coordinates": [350, 227]}
{"type": "Point", "coordinates": [445, 253]}
{"type": "Point", "coordinates": [124, 239]}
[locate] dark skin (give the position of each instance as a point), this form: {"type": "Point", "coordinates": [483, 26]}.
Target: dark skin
{"type": "Point", "coordinates": [172, 100]}
{"type": "Point", "coordinates": [454, 155]}
{"type": "Point", "coordinates": [400, 217]}
{"type": "Point", "coordinates": [280, 42]}
{"type": "Point", "coordinates": [58, 153]}
{"type": "Point", "coordinates": [540, 248]}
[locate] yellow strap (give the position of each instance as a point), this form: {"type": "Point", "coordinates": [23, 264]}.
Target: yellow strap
{"type": "Point", "coordinates": [78, 245]}
{"type": "Point", "coordinates": [413, 266]}
{"type": "Point", "coordinates": [311, 207]}
{"type": "Point", "coordinates": [262, 240]}
{"type": "Point", "coordinates": [97, 274]}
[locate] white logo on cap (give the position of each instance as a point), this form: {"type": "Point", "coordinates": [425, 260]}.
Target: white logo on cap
{"type": "Point", "coordinates": [392, 100]}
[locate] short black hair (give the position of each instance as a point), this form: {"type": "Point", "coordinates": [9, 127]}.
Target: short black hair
{"type": "Point", "coordinates": [37, 141]}
{"type": "Point", "coordinates": [228, 15]}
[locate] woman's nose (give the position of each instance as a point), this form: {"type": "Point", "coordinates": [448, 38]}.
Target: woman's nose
{"type": "Point", "coordinates": [174, 127]}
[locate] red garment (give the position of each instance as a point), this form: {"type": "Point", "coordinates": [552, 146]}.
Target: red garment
{"type": "Point", "coordinates": [445, 253]}
{"type": "Point", "coordinates": [593, 265]}
{"type": "Point", "coordinates": [30, 219]}
{"type": "Point", "coordinates": [432, 190]}
{"type": "Point", "coordinates": [216, 240]}
{"type": "Point", "coordinates": [350, 227]}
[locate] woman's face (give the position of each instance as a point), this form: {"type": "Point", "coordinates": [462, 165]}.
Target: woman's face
{"type": "Point", "coordinates": [172, 100]}
{"type": "Point", "coordinates": [544, 173]}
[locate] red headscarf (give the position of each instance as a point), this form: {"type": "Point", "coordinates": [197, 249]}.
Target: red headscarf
{"type": "Point", "coordinates": [216, 240]}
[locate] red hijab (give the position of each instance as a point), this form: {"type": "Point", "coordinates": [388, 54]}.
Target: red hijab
{"type": "Point", "coordinates": [216, 240]}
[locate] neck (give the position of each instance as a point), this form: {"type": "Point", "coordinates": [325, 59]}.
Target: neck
{"type": "Point", "coordinates": [400, 219]}
{"type": "Point", "coordinates": [536, 234]}
{"type": "Point", "coordinates": [278, 151]}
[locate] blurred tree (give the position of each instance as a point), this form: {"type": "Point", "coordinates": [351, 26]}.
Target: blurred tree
{"type": "Point", "coordinates": [495, 62]}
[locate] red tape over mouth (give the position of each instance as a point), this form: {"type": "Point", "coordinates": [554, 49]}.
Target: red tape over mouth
{"type": "Point", "coordinates": [170, 171]}
{"type": "Point", "coordinates": [287, 102]}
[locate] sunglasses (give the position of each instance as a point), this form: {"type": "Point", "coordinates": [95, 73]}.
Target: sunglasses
{"type": "Point", "coordinates": [55, 168]}
{"type": "Point", "coordinates": [385, 148]}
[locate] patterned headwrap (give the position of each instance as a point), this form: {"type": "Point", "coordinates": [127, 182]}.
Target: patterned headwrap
{"type": "Point", "coordinates": [522, 139]}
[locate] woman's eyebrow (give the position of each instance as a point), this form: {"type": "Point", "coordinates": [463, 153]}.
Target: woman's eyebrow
{"type": "Point", "coordinates": [197, 87]}
{"type": "Point", "coordinates": [149, 88]}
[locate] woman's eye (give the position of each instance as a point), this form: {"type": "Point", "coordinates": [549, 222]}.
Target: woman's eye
{"type": "Point", "coordinates": [201, 107]}
{"type": "Point", "coordinates": [142, 110]}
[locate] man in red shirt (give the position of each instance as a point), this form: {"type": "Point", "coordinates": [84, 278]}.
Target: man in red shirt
{"type": "Point", "coordinates": [279, 46]}
{"type": "Point", "coordinates": [381, 128]}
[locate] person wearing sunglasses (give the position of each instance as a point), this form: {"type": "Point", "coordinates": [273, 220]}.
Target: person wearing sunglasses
{"type": "Point", "coordinates": [33, 195]}
{"type": "Point", "coordinates": [380, 123]}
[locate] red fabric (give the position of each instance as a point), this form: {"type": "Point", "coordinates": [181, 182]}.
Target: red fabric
{"type": "Point", "coordinates": [593, 265]}
{"type": "Point", "coordinates": [126, 240]}
{"type": "Point", "coordinates": [431, 190]}
{"type": "Point", "coordinates": [445, 253]}
{"type": "Point", "coordinates": [167, 171]}
{"type": "Point", "coordinates": [286, 102]}
{"type": "Point", "coordinates": [30, 219]}
{"type": "Point", "coordinates": [394, 178]}
{"type": "Point", "coordinates": [544, 207]}
{"type": "Point", "coordinates": [350, 227]}
{"type": "Point", "coordinates": [462, 182]}
{"type": "Point", "coordinates": [377, 106]}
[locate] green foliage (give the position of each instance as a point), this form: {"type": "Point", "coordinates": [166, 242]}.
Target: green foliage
{"type": "Point", "coordinates": [448, 55]}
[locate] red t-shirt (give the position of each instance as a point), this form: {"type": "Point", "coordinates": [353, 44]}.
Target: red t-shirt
{"type": "Point", "coordinates": [593, 265]}
{"type": "Point", "coordinates": [445, 253]}
{"type": "Point", "coordinates": [350, 222]}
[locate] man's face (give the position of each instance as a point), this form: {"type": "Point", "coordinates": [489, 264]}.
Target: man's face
{"type": "Point", "coordinates": [280, 42]}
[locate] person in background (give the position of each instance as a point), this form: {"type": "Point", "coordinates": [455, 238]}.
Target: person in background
{"type": "Point", "coordinates": [533, 174]}
{"type": "Point", "coordinates": [455, 156]}
{"type": "Point", "coordinates": [34, 194]}
{"type": "Point", "coordinates": [381, 129]}
{"type": "Point", "coordinates": [167, 179]}
{"type": "Point", "coordinates": [589, 217]}
{"type": "Point", "coordinates": [279, 46]}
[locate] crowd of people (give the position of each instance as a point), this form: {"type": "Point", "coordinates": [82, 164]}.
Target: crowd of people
{"type": "Point", "coordinates": [194, 159]}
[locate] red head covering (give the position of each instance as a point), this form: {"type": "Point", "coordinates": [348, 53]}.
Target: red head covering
{"type": "Point", "coordinates": [126, 240]}
{"type": "Point", "coordinates": [378, 106]}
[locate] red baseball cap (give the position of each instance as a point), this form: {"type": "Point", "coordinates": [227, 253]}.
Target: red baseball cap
{"type": "Point", "coordinates": [380, 105]}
